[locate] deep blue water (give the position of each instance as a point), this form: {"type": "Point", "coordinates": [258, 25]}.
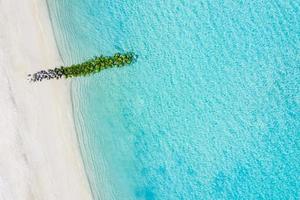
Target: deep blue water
{"type": "Point", "coordinates": [211, 109]}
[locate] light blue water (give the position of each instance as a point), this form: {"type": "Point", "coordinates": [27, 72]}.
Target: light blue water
{"type": "Point", "coordinates": [211, 109]}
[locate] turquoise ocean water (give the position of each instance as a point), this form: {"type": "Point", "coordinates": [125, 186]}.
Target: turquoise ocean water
{"type": "Point", "coordinates": [211, 109]}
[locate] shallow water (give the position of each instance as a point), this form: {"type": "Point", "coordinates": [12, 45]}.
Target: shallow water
{"type": "Point", "coordinates": [211, 109]}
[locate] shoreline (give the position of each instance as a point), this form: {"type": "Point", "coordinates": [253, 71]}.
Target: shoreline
{"type": "Point", "coordinates": [39, 151]}
{"type": "Point", "coordinates": [71, 100]}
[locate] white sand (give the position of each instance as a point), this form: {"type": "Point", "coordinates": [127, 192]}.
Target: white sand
{"type": "Point", "coordinates": [39, 153]}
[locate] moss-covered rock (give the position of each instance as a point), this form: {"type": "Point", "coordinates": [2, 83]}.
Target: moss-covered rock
{"type": "Point", "coordinates": [88, 67]}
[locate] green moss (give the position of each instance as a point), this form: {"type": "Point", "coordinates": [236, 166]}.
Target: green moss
{"type": "Point", "coordinates": [88, 67]}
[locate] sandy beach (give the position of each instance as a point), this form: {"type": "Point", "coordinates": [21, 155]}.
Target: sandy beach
{"type": "Point", "coordinates": [39, 153]}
